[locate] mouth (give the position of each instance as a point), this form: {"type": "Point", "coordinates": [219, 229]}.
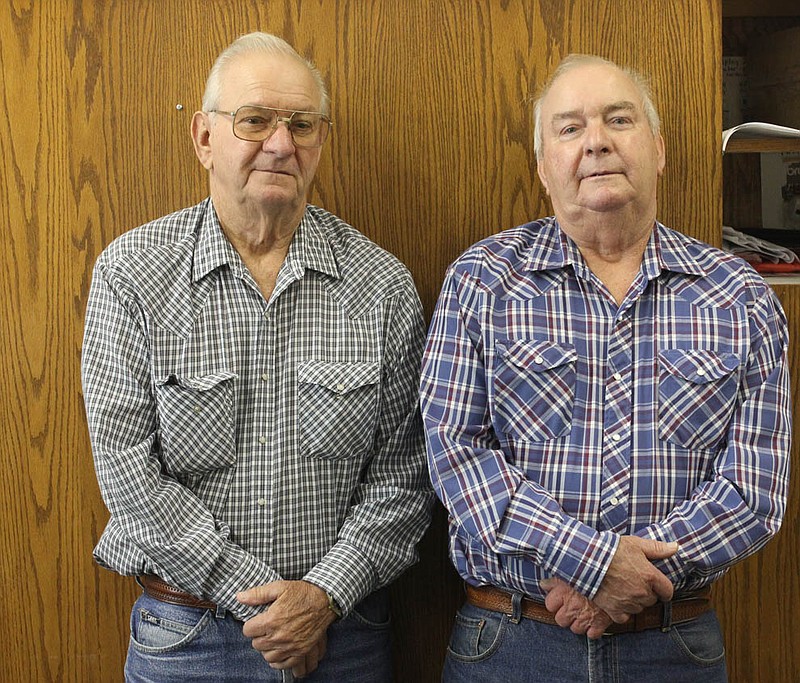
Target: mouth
{"type": "Point", "coordinates": [599, 174]}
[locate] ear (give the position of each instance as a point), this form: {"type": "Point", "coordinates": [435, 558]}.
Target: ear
{"type": "Point", "coordinates": [662, 154]}
{"type": "Point", "coordinates": [201, 138]}
{"type": "Point", "coordinates": [542, 175]}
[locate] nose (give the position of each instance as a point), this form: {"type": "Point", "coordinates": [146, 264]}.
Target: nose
{"type": "Point", "coordinates": [280, 142]}
{"type": "Point", "coordinates": [596, 140]}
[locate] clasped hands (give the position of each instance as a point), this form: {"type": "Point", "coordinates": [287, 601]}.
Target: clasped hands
{"type": "Point", "coordinates": [291, 634]}
{"type": "Point", "coordinates": [630, 584]}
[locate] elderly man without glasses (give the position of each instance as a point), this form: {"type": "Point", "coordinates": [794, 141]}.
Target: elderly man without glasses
{"type": "Point", "coordinates": [250, 371]}
{"type": "Point", "coordinates": [606, 403]}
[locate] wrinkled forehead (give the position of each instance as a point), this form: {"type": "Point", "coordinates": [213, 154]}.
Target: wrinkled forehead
{"type": "Point", "coordinates": [590, 88]}
{"type": "Point", "coordinates": [271, 80]}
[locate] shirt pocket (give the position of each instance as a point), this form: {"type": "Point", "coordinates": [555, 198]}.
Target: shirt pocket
{"type": "Point", "coordinates": [696, 394]}
{"type": "Point", "coordinates": [534, 389]}
{"type": "Point", "coordinates": [337, 408]}
{"type": "Point", "coordinates": [196, 422]}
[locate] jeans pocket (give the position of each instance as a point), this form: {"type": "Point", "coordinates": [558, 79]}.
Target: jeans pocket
{"type": "Point", "coordinates": [700, 640]}
{"type": "Point", "coordinates": [157, 631]}
{"type": "Point", "coordinates": [373, 611]}
{"type": "Point", "coordinates": [477, 634]}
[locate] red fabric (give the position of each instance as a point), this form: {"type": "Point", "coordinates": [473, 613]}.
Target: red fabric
{"type": "Point", "coordinates": [777, 267]}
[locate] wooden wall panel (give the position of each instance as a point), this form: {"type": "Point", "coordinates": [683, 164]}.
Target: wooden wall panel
{"type": "Point", "coordinates": [432, 150]}
{"type": "Point", "coordinates": [758, 600]}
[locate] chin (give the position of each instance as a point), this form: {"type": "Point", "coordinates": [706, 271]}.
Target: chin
{"type": "Point", "coordinates": [607, 201]}
{"type": "Point", "coordinates": [280, 201]}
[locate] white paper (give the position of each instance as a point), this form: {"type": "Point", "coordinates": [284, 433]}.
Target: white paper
{"type": "Point", "coordinates": [757, 129]}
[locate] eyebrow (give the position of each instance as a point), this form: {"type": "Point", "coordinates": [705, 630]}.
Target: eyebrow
{"type": "Point", "coordinates": [622, 105]}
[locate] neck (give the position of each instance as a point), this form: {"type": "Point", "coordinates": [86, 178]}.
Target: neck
{"type": "Point", "coordinates": [612, 248]}
{"type": "Point", "coordinates": [254, 233]}
{"type": "Point", "coordinates": [262, 241]}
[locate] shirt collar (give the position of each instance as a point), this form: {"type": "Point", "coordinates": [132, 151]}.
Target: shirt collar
{"type": "Point", "coordinates": [212, 249]}
{"type": "Point", "coordinates": [671, 251]}
{"type": "Point", "coordinates": [310, 248]}
{"type": "Point", "coordinates": [666, 250]}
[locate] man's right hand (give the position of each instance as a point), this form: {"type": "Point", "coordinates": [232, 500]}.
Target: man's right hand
{"type": "Point", "coordinates": [291, 634]}
{"type": "Point", "coordinates": [632, 582]}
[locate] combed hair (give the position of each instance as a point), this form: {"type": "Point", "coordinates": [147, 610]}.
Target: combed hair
{"type": "Point", "coordinates": [264, 43]}
{"type": "Point", "coordinates": [574, 60]}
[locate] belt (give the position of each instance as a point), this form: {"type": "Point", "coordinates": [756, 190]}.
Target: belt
{"type": "Point", "coordinates": [684, 608]}
{"type": "Point", "coordinates": [161, 590]}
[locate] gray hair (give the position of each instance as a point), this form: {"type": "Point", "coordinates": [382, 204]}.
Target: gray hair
{"type": "Point", "coordinates": [264, 43]}
{"type": "Point", "coordinates": [575, 60]}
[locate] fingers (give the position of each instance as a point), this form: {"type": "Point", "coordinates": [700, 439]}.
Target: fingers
{"type": "Point", "coordinates": [631, 584]}
{"type": "Point", "coordinates": [254, 626]}
{"type": "Point", "coordinates": [574, 611]}
{"type": "Point", "coordinates": [598, 627]}
{"type": "Point", "coordinates": [312, 659]}
{"type": "Point", "coordinates": [549, 583]}
{"type": "Point", "coordinates": [301, 665]}
{"type": "Point", "coordinates": [557, 593]}
{"type": "Point", "coordinates": [662, 587]}
{"type": "Point", "coordinates": [657, 550]}
{"type": "Point", "coordinates": [262, 595]}
{"type": "Point", "coordinates": [291, 633]}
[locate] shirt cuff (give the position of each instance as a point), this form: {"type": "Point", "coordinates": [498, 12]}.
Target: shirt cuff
{"type": "Point", "coordinates": [345, 574]}
{"type": "Point", "coordinates": [238, 572]}
{"type": "Point", "coordinates": [581, 555]}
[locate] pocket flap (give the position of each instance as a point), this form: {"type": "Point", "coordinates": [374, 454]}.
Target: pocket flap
{"type": "Point", "coordinates": [339, 377]}
{"type": "Point", "coordinates": [535, 356]}
{"type": "Point", "coordinates": [198, 383]}
{"type": "Point", "coordinates": [698, 365]}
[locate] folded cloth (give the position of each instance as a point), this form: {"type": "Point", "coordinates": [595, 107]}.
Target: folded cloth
{"type": "Point", "coordinates": [746, 245]}
{"type": "Point", "coordinates": [777, 267]}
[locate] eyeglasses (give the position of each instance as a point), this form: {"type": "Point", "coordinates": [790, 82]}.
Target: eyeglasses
{"type": "Point", "coordinates": [256, 124]}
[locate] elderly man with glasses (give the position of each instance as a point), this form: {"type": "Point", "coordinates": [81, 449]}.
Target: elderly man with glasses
{"type": "Point", "coordinates": [250, 372]}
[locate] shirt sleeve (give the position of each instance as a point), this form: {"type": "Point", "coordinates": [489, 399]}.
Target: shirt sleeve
{"type": "Point", "coordinates": [391, 506]}
{"type": "Point", "coordinates": [169, 527]}
{"type": "Point", "coordinates": [741, 505]}
{"type": "Point", "coordinates": [489, 499]}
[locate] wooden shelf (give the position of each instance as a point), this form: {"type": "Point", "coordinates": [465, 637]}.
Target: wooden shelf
{"type": "Point", "coordinates": [782, 279]}
{"type": "Point", "coordinates": [755, 145]}
{"type": "Point", "coordinates": [759, 8]}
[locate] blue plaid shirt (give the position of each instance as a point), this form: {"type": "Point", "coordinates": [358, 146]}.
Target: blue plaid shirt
{"type": "Point", "coordinates": [557, 420]}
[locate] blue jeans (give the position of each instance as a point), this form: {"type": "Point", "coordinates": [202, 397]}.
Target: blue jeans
{"type": "Point", "coordinates": [487, 646]}
{"type": "Point", "coordinates": [170, 643]}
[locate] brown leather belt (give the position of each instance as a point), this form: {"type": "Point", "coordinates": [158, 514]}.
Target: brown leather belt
{"type": "Point", "coordinates": [161, 590]}
{"type": "Point", "coordinates": [684, 608]}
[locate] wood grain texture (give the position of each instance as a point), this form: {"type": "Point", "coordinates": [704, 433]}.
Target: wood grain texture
{"type": "Point", "coordinates": [432, 150]}
{"type": "Point", "coordinates": [759, 145]}
{"type": "Point", "coordinates": [759, 598]}
{"type": "Point", "coordinates": [741, 197]}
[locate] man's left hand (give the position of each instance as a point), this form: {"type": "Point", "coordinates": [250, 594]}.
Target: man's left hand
{"type": "Point", "coordinates": [291, 634]}
{"type": "Point", "coordinates": [573, 610]}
